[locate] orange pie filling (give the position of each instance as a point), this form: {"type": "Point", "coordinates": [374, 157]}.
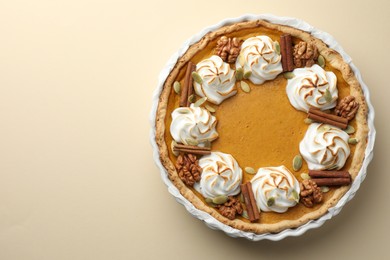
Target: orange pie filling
{"type": "Point", "coordinates": [259, 127]}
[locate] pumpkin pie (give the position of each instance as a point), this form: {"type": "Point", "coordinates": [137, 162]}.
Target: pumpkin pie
{"type": "Point", "coordinates": [262, 126]}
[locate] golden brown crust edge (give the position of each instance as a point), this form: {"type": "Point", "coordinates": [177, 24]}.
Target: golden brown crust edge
{"type": "Point", "coordinates": [331, 56]}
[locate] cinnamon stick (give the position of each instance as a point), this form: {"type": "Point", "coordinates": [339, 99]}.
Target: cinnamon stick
{"type": "Point", "coordinates": [289, 49]}
{"type": "Point", "coordinates": [247, 200]}
{"type": "Point", "coordinates": [192, 149]}
{"type": "Point", "coordinates": [287, 52]}
{"type": "Point", "coordinates": [330, 119]}
{"type": "Point", "coordinates": [199, 152]}
{"type": "Point", "coordinates": [283, 52]}
{"type": "Point", "coordinates": [332, 181]}
{"type": "Point", "coordinates": [187, 85]}
{"type": "Point", "coordinates": [330, 116]}
{"type": "Point", "coordinates": [329, 174]}
{"type": "Point", "coordinates": [326, 121]}
{"type": "Point", "coordinates": [255, 209]}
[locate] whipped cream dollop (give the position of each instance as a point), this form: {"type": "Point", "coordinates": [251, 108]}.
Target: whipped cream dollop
{"type": "Point", "coordinates": [275, 189]}
{"type": "Point", "coordinates": [258, 55]}
{"type": "Point", "coordinates": [221, 175]}
{"type": "Point", "coordinates": [325, 147]}
{"type": "Point", "coordinates": [191, 124]}
{"type": "Point", "coordinates": [309, 86]}
{"type": "Point", "coordinates": [218, 80]}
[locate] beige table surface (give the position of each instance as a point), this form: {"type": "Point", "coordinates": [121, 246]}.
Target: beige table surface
{"type": "Point", "coordinates": [77, 179]}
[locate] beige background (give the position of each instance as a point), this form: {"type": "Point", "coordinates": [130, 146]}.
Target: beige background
{"type": "Point", "coordinates": [77, 179]}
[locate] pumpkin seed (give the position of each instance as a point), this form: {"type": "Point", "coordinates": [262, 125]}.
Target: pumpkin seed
{"type": "Point", "coordinates": [208, 200]}
{"type": "Point", "coordinates": [277, 47]}
{"type": "Point", "coordinates": [328, 96]}
{"type": "Point", "coordinates": [308, 121]}
{"type": "Point", "coordinates": [207, 143]}
{"type": "Point", "coordinates": [350, 129]}
{"type": "Point", "coordinates": [245, 87]}
{"type": "Point", "coordinates": [271, 202]}
{"type": "Point", "coordinates": [324, 189]}
{"type": "Point", "coordinates": [210, 108]}
{"type": "Point", "coordinates": [197, 78]}
{"type": "Point", "coordinates": [297, 162]}
{"type": "Point", "coordinates": [247, 74]}
{"type": "Point", "coordinates": [241, 60]}
{"type": "Point", "coordinates": [288, 75]}
{"type": "Point", "coordinates": [245, 214]}
{"type": "Point", "coordinates": [250, 170]}
{"type": "Point", "coordinates": [295, 195]}
{"type": "Point", "coordinates": [191, 98]}
{"type": "Point", "coordinates": [183, 111]}
{"type": "Point", "coordinates": [191, 141]}
{"type": "Point", "coordinates": [239, 74]}
{"type": "Point", "coordinates": [321, 61]}
{"type": "Point", "coordinates": [177, 87]}
{"type": "Point", "coordinates": [353, 141]}
{"type": "Point", "coordinates": [200, 102]}
{"type": "Point", "coordinates": [220, 199]}
{"type": "Point", "coordinates": [305, 176]}
{"type": "Point", "coordinates": [175, 153]}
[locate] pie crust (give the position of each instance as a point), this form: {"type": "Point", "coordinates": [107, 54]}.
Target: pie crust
{"type": "Point", "coordinates": [332, 57]}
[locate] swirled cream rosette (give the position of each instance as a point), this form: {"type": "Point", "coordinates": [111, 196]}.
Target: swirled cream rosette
{"type": "Point", "coordinates": [325, 147]}
{"type": "Point", "coordinates": [275, 189]}
{"type": "Point", "coordinates": [221, 175]}
{"type": "Point", "coordinates": [193, 124]}
{"type": "Point", "coordinates": [312, 87]}
{"type": "Point", "coordinates": [218, 80]}
{"type": "Point", "coordinates": [259, 56]}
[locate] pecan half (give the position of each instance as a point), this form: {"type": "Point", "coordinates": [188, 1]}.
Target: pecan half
{"type": "Point", "coordinates": [187, 166]}
{"type": "Point", "coordinates": [310, 193]}
{"type": "Point", "coordinates": [347, 107]}
{"type": "Point", "coordinates": [305, 54]}
{"type": "Point", "coordinates": [230, 208]}
{"type": "Point", "coordinates": [228, 49]}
